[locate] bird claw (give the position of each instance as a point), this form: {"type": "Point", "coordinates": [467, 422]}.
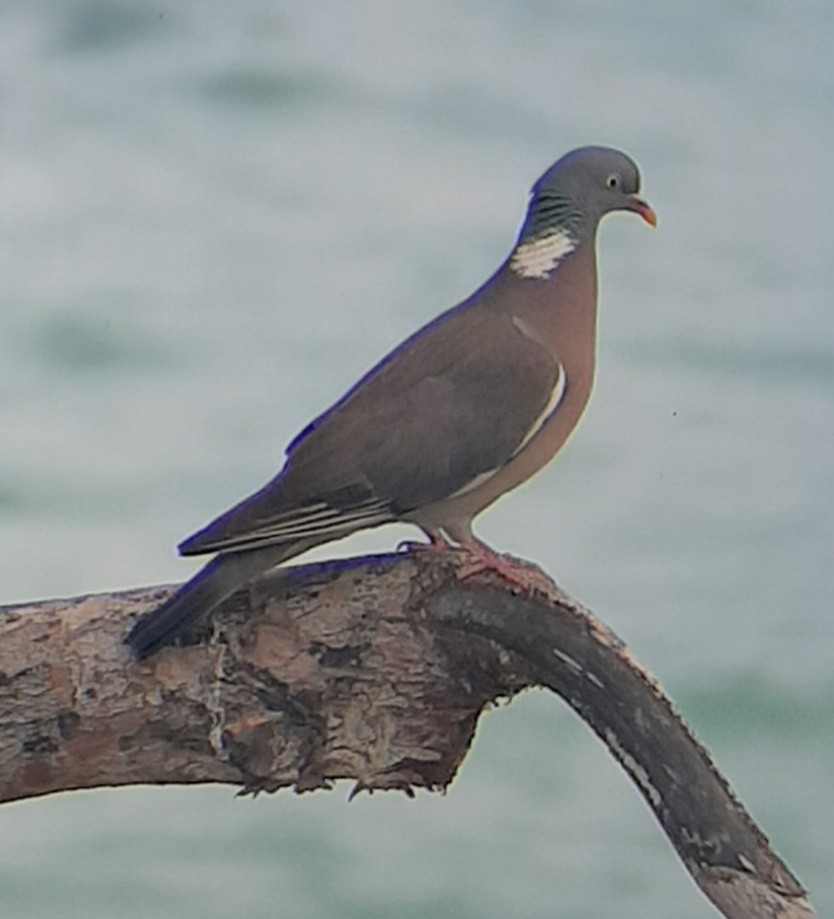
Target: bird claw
{"type": "Point", "coordinates": [527, 579]}
{"type": "Point", "coordinates": [478, 557]}
{"type": "Point", "coordinates": [414, 545]}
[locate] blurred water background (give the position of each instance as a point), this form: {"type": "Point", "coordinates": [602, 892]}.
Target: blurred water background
{"type": "Point", "coordinates": [215, 216]}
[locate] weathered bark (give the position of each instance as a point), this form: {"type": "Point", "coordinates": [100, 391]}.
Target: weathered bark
{"type": "Point", "coordinates": [373, 669]}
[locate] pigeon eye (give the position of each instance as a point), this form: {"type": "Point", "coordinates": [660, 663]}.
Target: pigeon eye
{"type": "Point", "coordinates": [613, 181]}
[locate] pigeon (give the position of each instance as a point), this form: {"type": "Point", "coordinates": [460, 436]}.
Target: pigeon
{"type": "Point", "coordinates": [466, 409]}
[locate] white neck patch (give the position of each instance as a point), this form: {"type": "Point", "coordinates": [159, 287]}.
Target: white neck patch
{"type": "Point", "coordinates": [537, 258]}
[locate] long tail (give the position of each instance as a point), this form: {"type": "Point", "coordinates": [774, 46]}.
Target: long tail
{"type": "Point", "coordinates": [196, 599]}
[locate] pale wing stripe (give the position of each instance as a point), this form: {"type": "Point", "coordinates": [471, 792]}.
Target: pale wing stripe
{"type": "Point", "coordinates": [315, 512]}
{"type": "Point", "coordinates": [334, 525]}
{"type": "Point", "coordinates": [310, 510]}
{"type": "Point", "coordinates": [303, 526]}
{"type": "Point", "coordinates": [319, 509]}
{"type": "Point", "coordinates": [478, 480]}
{"type": "Point", "coordinates": [338, 518]}
{"type": "Point", "coordinates": [267, 537]}
{"type": "Point", "coordinates": [552, 405]}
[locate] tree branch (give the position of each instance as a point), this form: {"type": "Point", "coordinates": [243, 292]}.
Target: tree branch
{"type": "Point", "coordinates": [372, 669]}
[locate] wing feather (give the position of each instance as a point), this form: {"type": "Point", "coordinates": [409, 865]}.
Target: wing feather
{"type": "Point", "coordinates": [453, 404]}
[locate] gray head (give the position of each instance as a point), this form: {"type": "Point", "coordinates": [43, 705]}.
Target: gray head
{"type": "Point", "coordinates": [579, 190]}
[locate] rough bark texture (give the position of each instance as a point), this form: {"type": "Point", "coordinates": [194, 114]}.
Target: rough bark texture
{"type": "Point", "coordinates": [371, 669]}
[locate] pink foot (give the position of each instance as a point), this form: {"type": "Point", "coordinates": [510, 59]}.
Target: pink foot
{"type": "Point", "coordinates": [529, 578]}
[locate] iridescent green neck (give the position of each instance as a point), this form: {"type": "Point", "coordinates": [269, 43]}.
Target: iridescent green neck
{"type": "Point", "coordinates": [549, 211]}
{"type": "Point", "coordinates": [551, 231]}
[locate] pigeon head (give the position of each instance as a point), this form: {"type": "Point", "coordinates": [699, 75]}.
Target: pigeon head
{"type": "Point", "coordinates": [568, 202]}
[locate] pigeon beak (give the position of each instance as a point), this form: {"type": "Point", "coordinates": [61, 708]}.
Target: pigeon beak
{"type": "Point", "coordinates": [639, 206]}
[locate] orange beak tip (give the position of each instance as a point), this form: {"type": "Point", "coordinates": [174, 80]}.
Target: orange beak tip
{"type": "Point", "coordinates": [645, 211]}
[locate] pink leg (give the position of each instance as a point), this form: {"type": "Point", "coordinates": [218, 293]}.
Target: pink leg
{"type": "Point", "coordinates": [483, 558]}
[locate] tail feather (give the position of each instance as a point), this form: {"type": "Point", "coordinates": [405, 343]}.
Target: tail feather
{"type": "Point", "coordinates": [196, 599]}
